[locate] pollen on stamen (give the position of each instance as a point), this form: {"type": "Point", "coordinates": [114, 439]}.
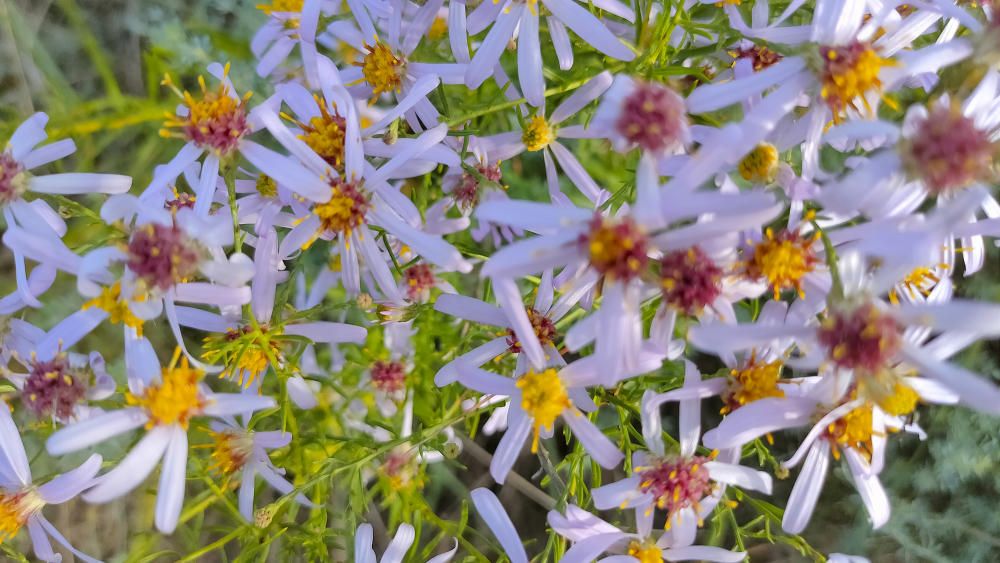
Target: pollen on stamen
{"type": "Point", "coordinates": [760, 165]}
{"type": "Point", "coordinates": [949, 152]}
{"type": "Point", "coordinates": [862, 338]}
{"type": "Point", "coordinates": [325, 134]}
{"type": "Point", "coordinates": [782, 260]}
{"type": "Point", "coordinates": [215, 121]}
{"type": "Point", "coordinates": [676, 483]}
{"type": "Point", "coordinates": [382, 70]}
{"type": "Point", "coordinates": [15, 509]}
{"type": "Point", "coordinates": [753, 381]}
{"type": "Point", "coordinates": [760, 56]}
{"type": "Point", "coordinates": [231, 450]}
{"type": "Point", "coordinates": [175, 399]}
{"type": "Point", "coordinates": [853, 430]}
{"type": "Point", "coordinates": [537, 133]}
{"type": "Point", "coordinates": [617, 248]}
{"type": "Point", "coordinates": [653, 117]}
{"type": "Point", "coordinates": [689, 280]}
{"type": "Point", "coordinates": [345, 210]}
{"type": "Point", "coordinates": [161, 256]}
{"type": "Point", "coordinates": [543, 327]}
{"type": "Point", "coordinates": [544, 398]}
{"type": "Point", "coordinates": [54, 388]}
{"type": "Point", "coordinates": [419, 280]}
{"type": "Point", "coordinates": [645, 551]}
{"type": "Point", "coordinates": [847, 74]}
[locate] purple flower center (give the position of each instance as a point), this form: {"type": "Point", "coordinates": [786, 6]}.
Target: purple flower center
{"type": "Point", "coordinates": [388, 377]}
{"type": "Point", "coordinates": [676, 483]}
{"type": "Point", "coordinates": [653, 117]}
{"type": "Point", "coordinates": [419, 281]}
{"type": "Point", "coordinates": [617, 249]}
{"type": "Point", "coordinates": [543, 327]}
{"type": "Point", "coordinates": [52, 388]}
{"type": "Point", "coordinates": [863, 338]}
{"type": "Point", "coordinates": [689, 280]}
{"type": "Point", "coordinates": [467, 191]}
{"type": "Point", "coordinates": [161, 256]}
{"type": "Point", "coordinates": [949, 152]}
{"type": "Point", "coordinates": [12, 183]}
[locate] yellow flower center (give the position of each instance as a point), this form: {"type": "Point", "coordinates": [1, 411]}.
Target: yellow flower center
{"type": "Point", "coordinates": [544, 397]}
{"type": "Point", "coordinates": [438, 28]}
{"type": "Point", "coordinates": [245, 352]}
{"type": "Point", "coordinates": [281, 6]}
{"type": "Point", "coordinates": [645, 552]}
{"type": "Point", "coordinates": [15, 509]}
{"type": "Point", "coordinates": [175, 399]}
{"type": "Point", "coordinates": [325, 134]}
{"type": "Point", "coordinates": [849, 72]}
{"type": "Point", "coordinates": [760, 165]}
{"type": "Point", "coordinates": [266, 186]}
{"type": "Point", "coordinates": [755, 381]}
{"type": "Point", "coordinates": [382, 69]}
{"type": "Point", "coordinates": [110, 300]}
{"type": "Point", "coordinates": [345, 210]}
{"type": "Point", "coordinates": [889, 391]}
{"type": "Point", "coordinates": [537, 133]}
{"type": "Point", "coordinates": [783, 260]}
{"type": "Point", "coordinates": [216, 121]}
{"type": "Point", "coordinates": [853, 430]}
{"type": "Point", "coordinates": [918, 282]}
{"type": "Point", "coordinates": [902, 401]}
{"type": "Point", "coordinates": [230, 451]}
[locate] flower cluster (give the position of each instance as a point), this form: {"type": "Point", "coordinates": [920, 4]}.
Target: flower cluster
{"type": "Point", "coordinates": [351, 291]}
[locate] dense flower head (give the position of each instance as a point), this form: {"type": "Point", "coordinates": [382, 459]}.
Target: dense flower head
{"type": "Point", "coordinates": [783, 260]}
{"type": "Point", "coordinates": [645, 551]}
{"type": "Point", "coordinates": [162, 255]}
{"type": "Point", "coordinates": [388, 376]}
{"type": "Point", "coordinates": [652, 117]}
{"type": "Point", "coordinates": [418, 279]}
{"type": "Point", "coordinates": [690, 280]}
{"type": "Point", "coordinates": [849, 72]}
{"type": "Point", "coordinates": [675, 483]}
{"type": "Point", "coordinates": [538, 133]}
{"type": "Point", "coordinates": [325, 133]}
{"type": "Point", "coordinates": [543, 327]}
{"type": "Point", "coordinates": [753, 381]}
{"type": "Point", "coordinates": [948, 151]}
{"type": "Point", "coordinates": [469, 189]}
{"type": "Point", "coordinates": [544, 398]}
{"type": "Point", "coordinates": [230, 450]}
{"type": "Point", "coordinates": [54, 388]}
{"type": "Point", "coordinates": [175, 398]}
{"type": "Point", "coordinates": [216, 121]}
{"type": "Point", "coordinates": [345, 210]}
{"type": "Point", "coordinates": [760, 56]}
{"type": "Point", "coordinates": [382, 69]}
{"type": "Point", "coordinates": [15, 509]}
{"type": "Point", "coordinates": [861, 337]}
{"type": "Point", "coordinates": [760, 165]}
{"type": "Point", "coordinates": [618, 248]}
{"type": "Point", "coordinates": [12, 178]}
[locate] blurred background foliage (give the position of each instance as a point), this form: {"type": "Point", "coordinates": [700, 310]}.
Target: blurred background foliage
{"type": "Point", "coordinates": [95, 67]}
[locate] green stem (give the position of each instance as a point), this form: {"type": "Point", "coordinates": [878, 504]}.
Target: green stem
{"type": "Point", "coordinates": [837, 291]}
{"type": "Point", "coordinates": [230, 177]}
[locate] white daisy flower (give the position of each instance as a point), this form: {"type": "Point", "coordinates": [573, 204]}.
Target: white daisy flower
{"type": "Point", "coordinates": [21, 501]}
{"type": "Point", "coordinates": [164, 401]}
{"type": "Point", "coordinates": [593, 537]}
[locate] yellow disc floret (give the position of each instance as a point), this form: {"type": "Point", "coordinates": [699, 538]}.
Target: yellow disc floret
{"type": "Point", "coordinates": [175, 399]}
{"type": "Point", "coordinates": [216, 121]}
{"type": "Point", "coordinates": [382, 70]}
{"type": "Point", "coordinates": [281, 6]}
{"type": "Point", "coordinates": [537, 133]}
{"type": "Point", "coordinates": [544, 398]}
{"type": "Point", "coordinates": [849, 73]}
{"type": "Point", "coordinates": [783, 260]}
{"type": "Point", "coordinates": [645, 552]}
{"type": "Point", "coordinates": [760, 165]}
{"type": "Point", "coordinates": [755, 381]}
{"type": "Point", "coordinates": [15, 509]}
{"type": "Point", "coordinates": [230, 450]}
{"type": "Point", "coordinates": [853, 430]}
{"type": "Point", "coordinates": [110, 300]}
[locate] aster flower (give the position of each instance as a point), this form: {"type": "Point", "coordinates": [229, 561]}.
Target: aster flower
{"type": "Point", "coordinates": [59, 388]}
{"type": "Point", "coordinates": [537, 399]}
{"type": "Point", "coordinates": [20, 155]}
{"type": "Point", "coordinates": [165, 251]}
{"type": "Point", "coordinates": [164, 401]}
{"type": "Point", "coordinates": [593, 537]}
{"type": "Point", "coordinates": [21, 501]}
{"type": "Point", "coordinates": [478, 179]}
{"type": "Point", "coordinates": [685, 485]}
{"type": "Point", "coordinates": [541, 133]}
{"type": "Point", "coordinates": [235, 448]}
{"type": "Point", "coordinates": [289, 23]}
{"type": "Point", "coordinates": [396, 552]}
{"type": "Point", "coordinates": [648, 115]}
{"type": "Point", "coordinates": [214, 124]}
{"type": "Point", "coordinates": [523, 17]}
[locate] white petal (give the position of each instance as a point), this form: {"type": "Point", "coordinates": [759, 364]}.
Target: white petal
{"type": "Point", "coordinates": [490, 509]}
{"type": "Point", "coordinates": [807, 488]}
{"type": "Point", "coordinates": [133, 469]}
{"type": "Point", "coordinates": [170, 494]}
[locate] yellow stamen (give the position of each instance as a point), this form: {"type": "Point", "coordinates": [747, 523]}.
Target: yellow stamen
{"type": "Point", "coordinates": [544, 398]}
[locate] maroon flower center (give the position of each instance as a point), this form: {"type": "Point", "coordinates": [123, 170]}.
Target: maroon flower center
{"type": "Point", "coordinates": [949, 152]}
{"type": "Point", "coordinates": [689, 280]}
{"type": "Point", "coordinates": [388, 377]}
{"type": "Point", "coordinates": [161, 256]}
{"type": "Point", "coordinates": [653, 117]}
{"type": "Point", "coordinates": [543, 327]}
{"type": "Point", "coordinates": [53, 388]}
{"type": "Point", "coordinates": [761, 56]}
{"type": "Point", "coordinates": [419, 281]}
{"type": "Point", "coordinates": [467, 191]}
{"type": "Point", "coordinates": [863, 338]}
{"type": "Point", "coordinates": [12, 182]}
{"type": "Point", "coordinates": [676, 483]}
{"type": "Point", "coordinates": [616, 249]}
{"type": "Point", "coordinates": [180, 201]}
